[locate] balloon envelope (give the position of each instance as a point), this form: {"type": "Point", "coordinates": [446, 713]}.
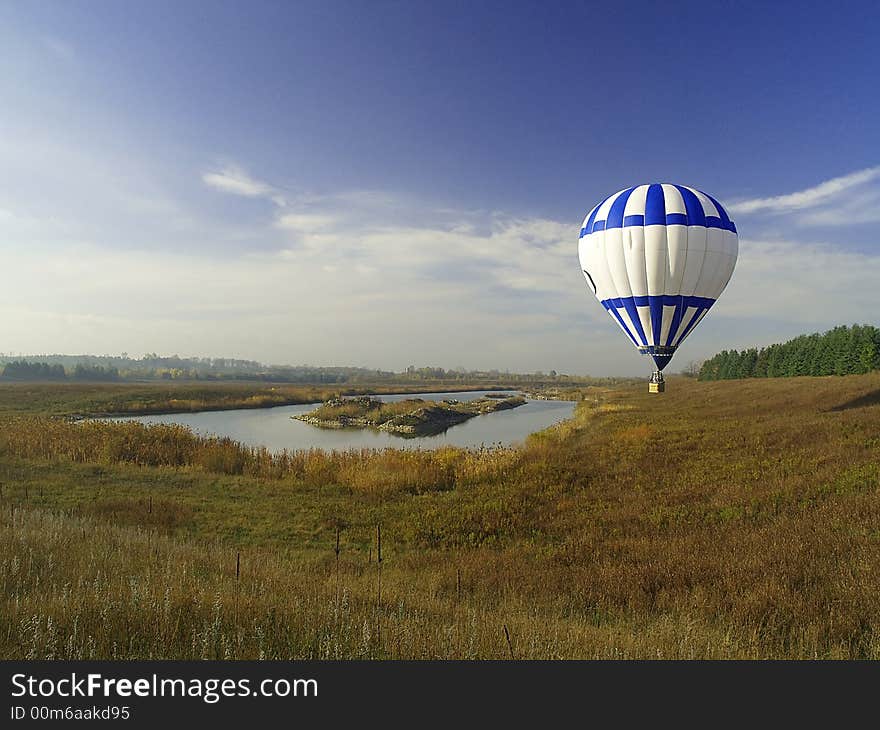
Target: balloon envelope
{"type": "Point", "coordinates": [657, 257]}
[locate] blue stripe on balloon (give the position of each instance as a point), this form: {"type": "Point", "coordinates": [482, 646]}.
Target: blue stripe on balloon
{"type": "Point", "coordinates": [630, 305]}
{"type": "Point", "coordinates": [676, 319]}
{"type": "Point", "coordinates": [693, 323]}
{"type": "Point", "coordinates": [672, 219]}
{"type": "Point", "coordinates": [667, 300]}
{"type": "Point", "coordinates": [656, 305]}
{"type": "Point", "coordinates": [725, 219]}
{"type": "Point", "coordinates": [655, 212]}
{"type": "Point", "coordinates": [696, 215]}
{"type": "Point", "coordinates": [655, 206]}
{"type": "Point", "coordinates": [684, 333]}
{"type": "Point", "coordinates": [615, 215]}
{"type": "Point", "coordinates": [612, 310]}
{"type": "Point", "coordinates": [588, 227]}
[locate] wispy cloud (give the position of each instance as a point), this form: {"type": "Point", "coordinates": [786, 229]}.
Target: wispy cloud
{"type": "Point", "coordinates": [807, 285]}
{"type": "Point", "coordinates": [234, 180]}
{"type": "Point", "coordinates": [305, 222]}
{"type": "Point", "coordinates": [825, 194]}
{"type": "Point", "coordinates": [358, 281]}
{"type": "Point", "coordinates": [386, 279]}
{"type": "Point", "coordinates": [509, 295]}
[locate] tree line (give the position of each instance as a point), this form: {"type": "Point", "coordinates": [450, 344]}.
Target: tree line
{"type": "Point", "coordinates": [153, 367]}
{"type": "Point", "coordinates": [841, 351]}
{"type": "Point", "coordinates": [24, 370]}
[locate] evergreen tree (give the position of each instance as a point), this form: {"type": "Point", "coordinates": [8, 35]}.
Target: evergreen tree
{"type": "Point", "coordinates": [840, 351]}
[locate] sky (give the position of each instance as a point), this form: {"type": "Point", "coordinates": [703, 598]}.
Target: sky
{"type": "Point", "coordinates": [391, 183]}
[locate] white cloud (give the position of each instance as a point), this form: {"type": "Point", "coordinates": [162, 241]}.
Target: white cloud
{"type": "Point", "coordinates": [860, 206]}
{"type": "Point", "coordinates": [501, 293]}
{"type": "Point", "coordinates": [812, 285]}
{"type": "Point", "coordinates": [383, 280]}
{"type": "Point", "coordinates": [234, 180]}
{"type": "Point", "coordinates": [305, 222]}
{"type": "Point", "coordinates": [826, 193]}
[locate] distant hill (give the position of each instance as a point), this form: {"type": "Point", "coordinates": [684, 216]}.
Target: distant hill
{"type": "Point", "coordinates": [840, 351]}
{"type": "Point", "coordinates": [110, 368]}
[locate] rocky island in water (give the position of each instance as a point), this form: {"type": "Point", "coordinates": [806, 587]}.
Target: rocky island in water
{"type": "Point", "coordinates": [413, 417]}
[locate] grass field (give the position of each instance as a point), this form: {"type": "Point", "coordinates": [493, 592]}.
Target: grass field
{"type": "Point", "coordinates": [719, 520]}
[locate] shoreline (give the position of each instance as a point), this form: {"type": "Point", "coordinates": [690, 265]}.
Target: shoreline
{"type": "Point", "coordinates": [256, 406]}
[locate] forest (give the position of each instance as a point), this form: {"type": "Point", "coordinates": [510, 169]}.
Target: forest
{"type": "Point", "coordinates": [24, 370]}
{"type": "Point", "coordinates": [843, 350]}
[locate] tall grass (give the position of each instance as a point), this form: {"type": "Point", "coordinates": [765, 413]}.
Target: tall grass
{"type": "Point", "coordinates": [721, 520]}
{"type": "Point", "coordinates": [163, 445]}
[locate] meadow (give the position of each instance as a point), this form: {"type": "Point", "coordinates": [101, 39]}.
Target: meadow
{"type": "Point", "coordinates": [729, 519]}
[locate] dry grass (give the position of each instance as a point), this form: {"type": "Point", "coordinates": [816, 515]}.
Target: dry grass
{"type": "Point", "coordinates": [378, 411]}
{"type": "Point", "coordinates": [72, 398]}
{"type": "Point", "coordinates": [720, 520]}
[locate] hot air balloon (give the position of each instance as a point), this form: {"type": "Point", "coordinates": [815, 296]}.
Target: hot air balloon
{"type": "Point", "coordinates": [657, 257]}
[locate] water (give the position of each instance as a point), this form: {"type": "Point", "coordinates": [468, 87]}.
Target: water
{"type": "Point", "coordinates": [276, 430]}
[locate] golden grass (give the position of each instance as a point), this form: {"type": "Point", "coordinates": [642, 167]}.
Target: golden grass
{"type": "Point", "coordinates": [720, 520]}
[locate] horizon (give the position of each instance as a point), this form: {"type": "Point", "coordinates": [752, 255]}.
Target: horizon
{"type": "Point", "coordinates": [349, 182]}
{"type": "Point", "coordinates": [35, 357]}
{"type": "Point", "coordinates": [684, 369]}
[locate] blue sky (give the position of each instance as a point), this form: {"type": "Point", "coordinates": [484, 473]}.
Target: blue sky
{"type": "Point", "coordinates": [391, 183]}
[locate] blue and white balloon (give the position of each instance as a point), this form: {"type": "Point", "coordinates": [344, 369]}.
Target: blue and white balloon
{"type": "Point", "coordinates": [657, 257]}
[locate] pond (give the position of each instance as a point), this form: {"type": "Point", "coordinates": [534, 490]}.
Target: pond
{"type": "Point", "coordinates": [276, 430]}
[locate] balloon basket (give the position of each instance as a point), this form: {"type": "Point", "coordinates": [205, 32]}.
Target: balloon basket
{"type": "Point", "coordinates": [657, 384]}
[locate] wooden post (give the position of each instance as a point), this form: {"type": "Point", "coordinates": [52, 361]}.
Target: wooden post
{"type": "Point", "coordinates": [509, 643]}
{"type": "Point", "coordinates": [237, 564]}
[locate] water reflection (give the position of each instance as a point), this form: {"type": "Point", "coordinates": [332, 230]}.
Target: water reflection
{"type": "Point", "coordinates": [276, 430]}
